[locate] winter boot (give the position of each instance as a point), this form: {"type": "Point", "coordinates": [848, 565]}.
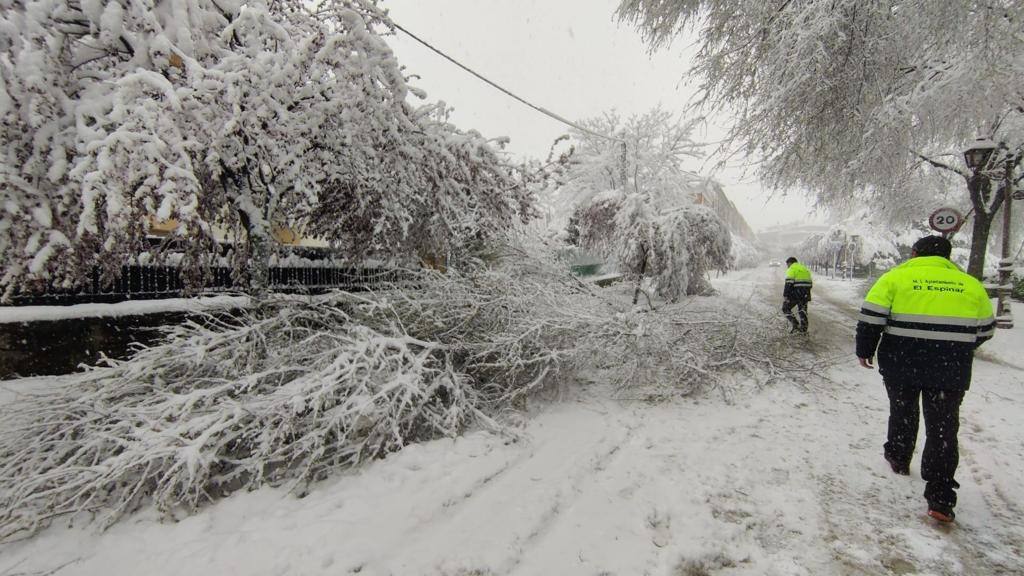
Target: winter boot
{"type": "Point", "coordinates": [941, 512]}
{"type": "Point", "coordinates": [901, 468]}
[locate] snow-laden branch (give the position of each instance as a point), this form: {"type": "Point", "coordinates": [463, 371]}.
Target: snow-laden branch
{"type": "Point", "coordinates": [836, 95]}
{"type": "Point", "coordinates": [942, 165]}
{"type": "Point", "coordinates": [227, 123]}
{"type": "Point", "coordinates": [297, 388]}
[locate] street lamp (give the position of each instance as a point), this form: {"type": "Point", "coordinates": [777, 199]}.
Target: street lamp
{"type": "Point", "coordinates": [978, 155]}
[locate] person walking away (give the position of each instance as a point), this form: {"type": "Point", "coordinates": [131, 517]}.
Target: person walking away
{"type": "Point", "coordinates": [930, 317]}
{"type": "Point", "coordinates": [796, 293]}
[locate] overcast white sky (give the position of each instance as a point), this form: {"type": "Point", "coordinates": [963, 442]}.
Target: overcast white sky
{"type": "Point", "coordinates": [568, 56]}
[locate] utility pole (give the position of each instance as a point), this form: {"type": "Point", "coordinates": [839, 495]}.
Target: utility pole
{"type": "Point", "coordinates": [1004, 316]}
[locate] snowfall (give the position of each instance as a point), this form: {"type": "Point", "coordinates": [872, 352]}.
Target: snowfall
{"type": "Point", "coordinates": [787, 479]}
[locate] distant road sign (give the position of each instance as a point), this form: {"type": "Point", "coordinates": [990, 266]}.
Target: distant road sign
{"type": "Point", "coordinates": [946, 220]}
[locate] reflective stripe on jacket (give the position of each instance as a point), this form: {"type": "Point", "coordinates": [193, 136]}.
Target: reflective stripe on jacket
{"type": "Point", "coordinates": [798, 283]}
{"type": "Point", "coordinates": [930, 316]}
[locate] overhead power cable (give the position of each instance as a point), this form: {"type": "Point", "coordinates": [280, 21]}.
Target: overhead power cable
{"type": "Point", "coordinates": [540, 109]}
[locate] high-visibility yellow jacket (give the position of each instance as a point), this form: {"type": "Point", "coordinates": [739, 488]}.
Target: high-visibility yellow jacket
{"type": "Point", "coordinates": [798, 283]}
{"type": "Point", "coordinates": [930, 316]}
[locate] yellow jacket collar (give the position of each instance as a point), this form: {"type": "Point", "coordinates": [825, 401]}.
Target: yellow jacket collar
{"type": "Point", "coordinates": [930, 261]}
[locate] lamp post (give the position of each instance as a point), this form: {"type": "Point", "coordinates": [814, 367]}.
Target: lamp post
{"type": "Point", "coordinates": [977, 158]}
{"type": "Point", "coordinates": [978, 155]}
{"type": "Point", "coordinates": [1004, 315]}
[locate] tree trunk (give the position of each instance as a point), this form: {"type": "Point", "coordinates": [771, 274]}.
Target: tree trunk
{"type": "Point", "coordinates": [640, 278]}
{"type": "Point", "coordinates": [259, 280]}
{"type": "Point", "coordinates": [979, 242]}
{"type": "Point", "coordinates": [259, 255]}
{"type": "Point", "coordinates": [980, 187]}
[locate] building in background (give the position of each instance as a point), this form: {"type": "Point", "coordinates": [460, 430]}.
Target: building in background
{"type": "Point", "coordinates": [709, 193]}
{"type": "Point", "coordinates": [783, 238]}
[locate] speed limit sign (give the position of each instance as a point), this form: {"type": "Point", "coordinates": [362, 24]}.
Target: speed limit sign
{"type": "Point", "coordinates": [946, 220]}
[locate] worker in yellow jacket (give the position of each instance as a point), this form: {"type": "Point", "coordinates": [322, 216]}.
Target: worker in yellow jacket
{"type": "Point", "coordinates": [930, 316]}
{"type": "Point", "coordinates": [796, 292]}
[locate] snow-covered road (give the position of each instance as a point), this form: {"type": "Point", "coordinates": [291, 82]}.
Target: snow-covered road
{"type": "Point", "coordinates": [786, 481]}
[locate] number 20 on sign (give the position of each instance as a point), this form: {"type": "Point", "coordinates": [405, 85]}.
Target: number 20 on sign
{"type": "Point", "coordinates": [946, 220]}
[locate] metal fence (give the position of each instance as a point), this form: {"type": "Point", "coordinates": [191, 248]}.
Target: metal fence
{"type": "Point", "coordinates": [833, 270]}
{"type": "Point", "coordinates": [145, 282]}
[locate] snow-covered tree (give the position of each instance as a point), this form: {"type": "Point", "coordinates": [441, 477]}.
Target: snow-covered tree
{"type": "Point", "coordinates": [645, 153]}
{"type": "Point", "coordinates": [709, 246]}
{"type": "Point", "coordinates": [744, 254]}
{"type": "Point", "coordinates": [633, 201]}
{"type": "Point", "coordinates": [430, 191]}
{"type": "Point", "coordinates": [849, 96]}
{"type": "Point", "coordinates": [224, 115]}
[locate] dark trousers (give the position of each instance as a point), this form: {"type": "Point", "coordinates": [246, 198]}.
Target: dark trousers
{"type": "Point", "coordinates": [941, 424]}
{"type": "Point", "coordinates": [801, 306]}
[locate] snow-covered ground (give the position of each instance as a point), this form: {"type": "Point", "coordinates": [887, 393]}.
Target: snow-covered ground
{"type": "Point", "coordinates": [785, 481]}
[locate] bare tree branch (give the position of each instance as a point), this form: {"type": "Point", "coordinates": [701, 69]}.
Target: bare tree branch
{"type": "Point", "coordinates": [942, 165]}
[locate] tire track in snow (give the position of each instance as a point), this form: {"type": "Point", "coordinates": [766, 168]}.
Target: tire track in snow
{"type": "Point", "coordinates": [999, 538]}
{"type": "Point", "coordinates": [612, 521]}
{"type": "Point", "coordinates": [488, 529]}
{"type": "Point", "coordinates": [563, 503]}
{"type": "Point", "coordinates": [450, 505]}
